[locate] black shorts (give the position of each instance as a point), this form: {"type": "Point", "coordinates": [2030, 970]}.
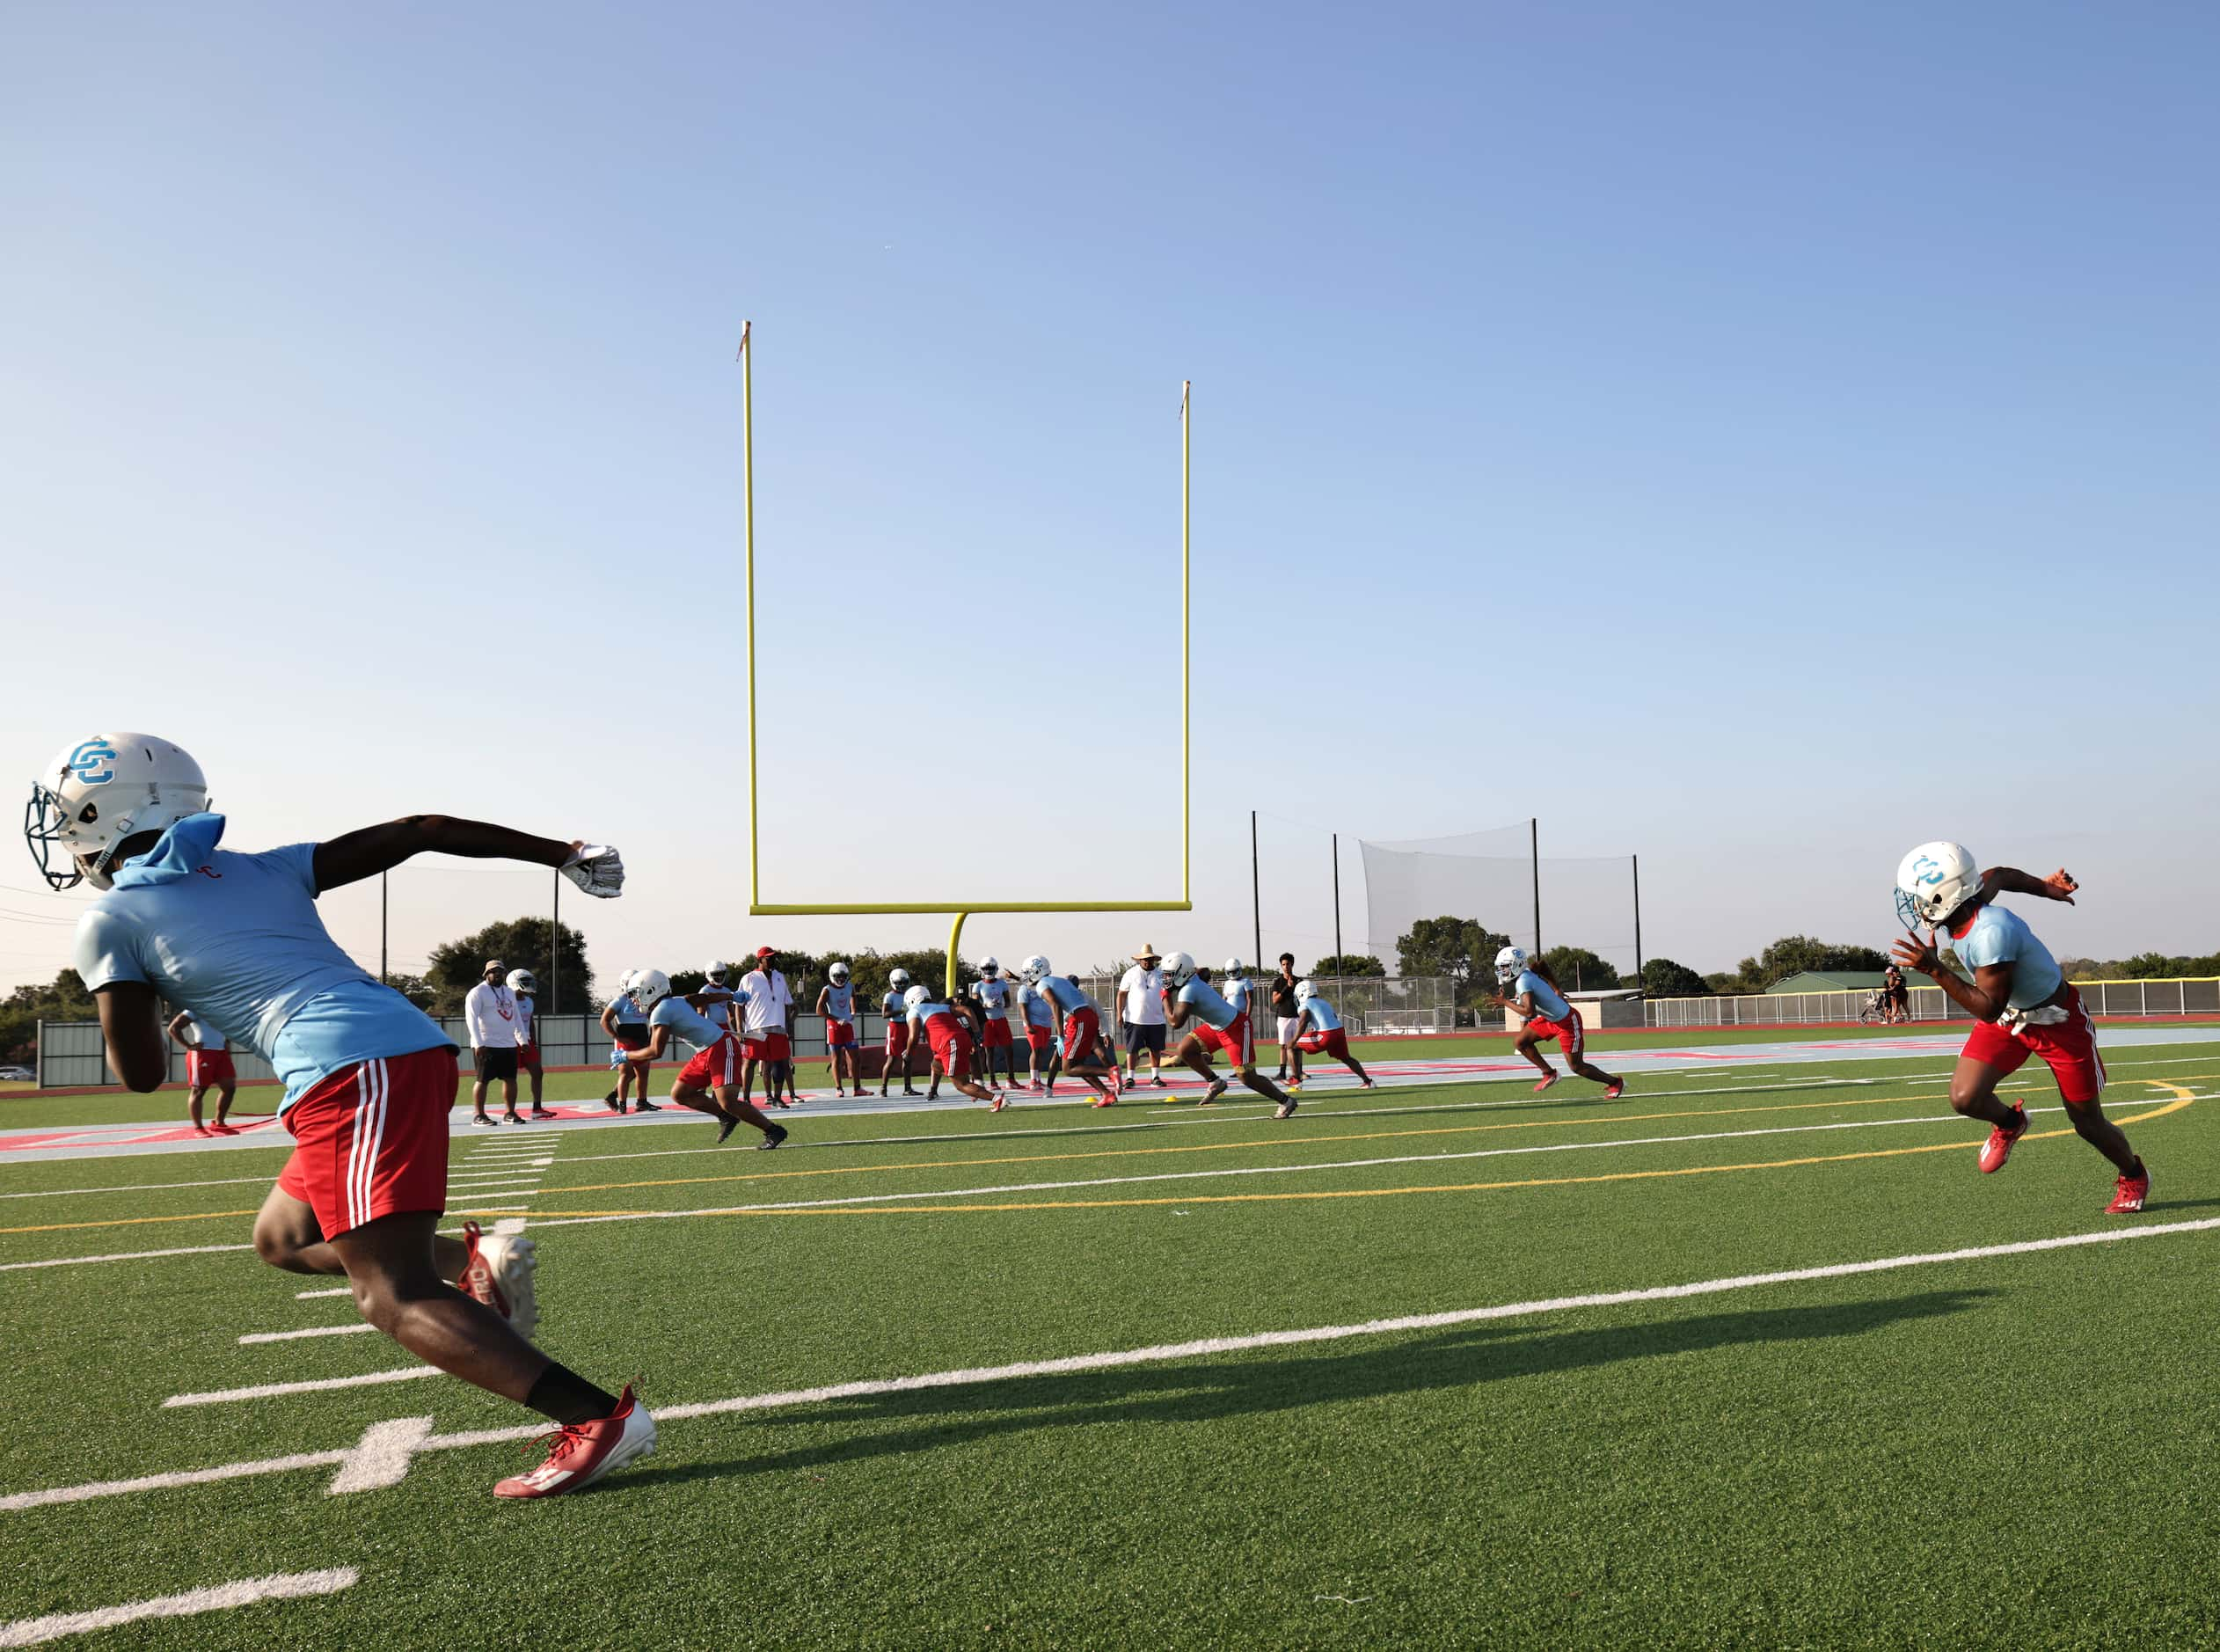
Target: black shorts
{"type": "Point", "coordinates": [495, 1062]}
{"type": "Point", "coordinates": [631, 1035]}
{"type": "Point", "coordinates": [1145, 1036]}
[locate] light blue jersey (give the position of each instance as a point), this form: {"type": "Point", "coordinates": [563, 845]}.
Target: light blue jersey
{"type": "Point", "coordinates": [720, 1012]}
{"type": "Point", "coordinates": [994, 999]}
{"type": "Point", "coordinates": [1201, 998]}
{"type": "Point", "coordinates": [685, 1021]}
{"type": "Point", "coordinates": [924, 1012]}
{"type": "Point", "coordinates": [236, 939]}
{"type": "Point", "coordinates": [1036, 1008]}
{"type": "Point", "coordinates": [1062, 994]}
{"type": "Point", "coordinates": [1549, 1003]}
{"type": "Point", "coordinates": [891, 1006]}
{"type": "Point", "coordinates": [840, 1002]}
{"type": "Point", "coordinates": [628, 1011]}
{"type": "Point", "coordinates": [205, 1035]}
{"type": "Point", "coordinates": [1316, 1011]}
{"type": "Point", "coordinates": [2000, 936]}
{"type": "Point", "coordinates": [1237, 994]}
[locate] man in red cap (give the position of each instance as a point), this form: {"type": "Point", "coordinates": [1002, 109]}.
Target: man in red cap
{"type": "Point", "coordinates": [767, 1029]}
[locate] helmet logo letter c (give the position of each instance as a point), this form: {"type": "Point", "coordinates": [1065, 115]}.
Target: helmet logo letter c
{"type": "Point", "coordinates": [93, 763]}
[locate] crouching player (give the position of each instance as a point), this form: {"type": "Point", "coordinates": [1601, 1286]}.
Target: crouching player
{"type": "Point", "coordinates": [369, 1077]}
{"type": "Point", "coordinates": [2022, 1000]}
{"type": "Point", "coordinates": [1534, 995]}
{"type": "Point", "coordinates": [837, 1003]}
{"type": "Point", "coordinates": [1217, 1025]}
{"type": "Point", "coordinates": [938, 1024]}
{"type": "Point", "coordinates": [896, 1012]}
{"type": "Point", "coordinates": [710, 1082]}
{"type": "Point", "coordinates": [1083, 1055]}
{"type": "Point", "coordinates": [1319, 1032]}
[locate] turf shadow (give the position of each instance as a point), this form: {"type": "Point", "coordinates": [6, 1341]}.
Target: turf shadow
{"type": "Point", "coordinates": [1254, 1385]}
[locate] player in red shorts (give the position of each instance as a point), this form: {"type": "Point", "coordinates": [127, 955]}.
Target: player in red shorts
{"type": "Point", "coordinates": [208, 1062]}
{"type": "Point", "coordinates": [896, 1011]}
{"type": "Point", "coordinates": [991, 998]}
{"type": "Point", "coordinates": [1083, 1055]}
{"type": "Point", "coordinates": [368, 1078]}
{"type": "Point", "coordinates": [2022, 1000]}
{"type": "Point", "coordinates": [837, 1003]}
{"type": "Point", "coordinates": [1319, 1032]}
{"type": "Point", "coordinates": [939, 1026]}
{"type": "Point", "coordinates": [1533, 993]}
{"type": "Point", "coordinates": [1214, 1023]}
{"type": "Point", "coordinates": [524, 986]}
{"type": "Point", "coordinates": [710, 1082]}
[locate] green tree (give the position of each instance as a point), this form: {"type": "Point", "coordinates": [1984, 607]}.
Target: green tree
{"type": "Point", "coordinates": [1792, 954]}
{"type": "Point", "coordinates": [1663, 978]}
{"type": "Point", "coordinates": [62, 999]}
{"type": "Point", "coordinates": [1578, 969]}
{"type": "Point", "coordinates": [1462, 948]}
{"type": "Point", "coordinates": [521, 943]}
{"type": "Point", "coordinates": [1348, 963]}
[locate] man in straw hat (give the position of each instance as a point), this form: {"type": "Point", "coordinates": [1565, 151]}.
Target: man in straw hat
{"type": "Point", "coordinates": [1141, 1011]}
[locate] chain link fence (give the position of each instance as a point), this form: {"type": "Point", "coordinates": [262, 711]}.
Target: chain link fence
{"type": "Point", "coordinates": [2193, 996]}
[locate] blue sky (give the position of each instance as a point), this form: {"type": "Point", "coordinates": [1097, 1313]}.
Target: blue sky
{"type": "Point", "coordinates": [1756, 437]}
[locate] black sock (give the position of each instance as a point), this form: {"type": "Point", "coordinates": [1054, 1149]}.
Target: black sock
{"type": "Point", "coordinates": [561, 1395]}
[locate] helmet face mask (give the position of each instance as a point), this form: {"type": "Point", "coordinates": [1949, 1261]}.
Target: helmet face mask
{"type": "Point", "coordinates": [899, 977]}
{"type": "Point", "coordinates": [1178, 968]}
{"type": "Point", "coordinates": [1035, 970]}
{"type": "Point", "coordinates": [1510, 963]}
{"type": "Point", "coordinates": [989, 966]}
{"type": "Point", "coordinates": [716, 969]}
{"type": "Point", "coordinates": [651, 987]}
{"type": "Point", "coordinates": [838, 972]}
{"type": "Point", "coordinates": [1235, 967]}
{"type": "Point", "coordinates": [1933, 881]}
{"type": "Point", "coordinates": [98, 794]}
{"type": "Point", "coordinates": [522, 981]}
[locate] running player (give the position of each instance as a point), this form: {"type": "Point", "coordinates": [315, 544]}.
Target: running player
{"type": "Point", "coordinates": [626, 1025]}
{"type": "Point", "coordinates": [710, 1082]}
{"type": "Point", "coordinates": [1534, 995]}
{"type": "Point", "coordinates": [1319, 1032]}
{"type": "Point", "coordinates": [368, 1078]}
{"type": "Point", "coordinates": [1217, 1025]}
{"type": "Point", "coordinates": [1040, 1035]}
{"type": "Point", "coordinates": [208, 1061]}
{"type": "Point", "coordinates": [837, 1003]}
{"type": "Point", "coordinates": [896, 1012]}
{"type": "Point", "coordinates": [524, 986]}
{"type": "Point", "coordinates": [1082, 1056]}
{"type": "Point", "coordinates": [991, 995]}
{"type": "Point", "coordinates": [968, 1017]}
{"type": "Point", "coordinates": [940, 1026]}
{"type": "Point", "coordinates": [2022, 1001]}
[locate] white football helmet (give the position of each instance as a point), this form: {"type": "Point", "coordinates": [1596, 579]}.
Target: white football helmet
{"type": "Point", "coordinates": [522, 981]}
{"type": "Point", "coordinates": [101, 791]}
{"type": "Point", "coordinates": [1509, 964]}
{"type": "Point", "coordinates": [1235, 967]}
{"type": "Point", "coordinates": [1178, 968]}
{"type": "Point", "coordinates": [989, 966]}
{"type": "Point", "coordinates": [1304, 992]}
{"type": "Point", "coordinates": [898, 977]}
{"type": "Point", "coordinates": [1035, 970]}
{"type": "Point", "coordinates": [716, 968]}
{"type": "Point", "coordinates": [838, 972]}
{"type": "Point", "coordinates": [650, 987]}
{"type": "Point", "coordinates": [917, 994]}
{"type": "Point", "coordinates": [1934, 881]}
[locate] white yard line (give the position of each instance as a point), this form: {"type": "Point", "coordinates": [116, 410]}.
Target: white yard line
{"type": "Point", "coordinates": [321, 1384]}
{"type": "Point", "coordinates": [380, 1444]}
{"type": "Point", "coordinates": [219, 1597]}
{"type": "Point", "coordinates": [296, 1336]}
{"type": "Point", "coordinates": [336, 1290]}
{"type": "Point", "coordinates": [123, 1256]}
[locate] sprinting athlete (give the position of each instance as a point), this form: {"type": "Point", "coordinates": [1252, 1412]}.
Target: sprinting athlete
{"type": "Point", "coordinates": [524, 987]}
{"type": "Point", "coordinates": [2022, 1001]}
{"type": "Point", "coordinates": [940, 1026]}
{"type": "Point", "coordinates": [709, 1083]}
{"type": "Point", "coordinates": [1081, 1055]}
{"type": "Point", "coordinates": [1534, 995]}
{"type": "Point", "coordinates": [837, 1003]}
{"type": "Point", "coordinates": [1319, 1032]}
{"type": "Point", "coordinates": [626, 1025]}
{"type": "Point", "coordinates": [1217, 1025]}
{"type": "Point", "coordinates": [896, 1012]}
{"type": "Point", "coordinates": [991, 996]}
{"type": "Point", "coordinates": [208, 1061]}
{"type": "Point", "coordinates": [1040, 1035]}
{"type": "Point", "coordinates": [369, 1077]}
{"type": "Point", "coordinates": [968, 1019]}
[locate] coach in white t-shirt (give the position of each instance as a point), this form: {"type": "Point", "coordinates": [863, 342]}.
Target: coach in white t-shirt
{"type": "Point", "coordinates": [1141, 1010]}
{"type": "Point", "coordinates": [766, 1029]}
{"type": "Point", "coordinates": [489, 1011]}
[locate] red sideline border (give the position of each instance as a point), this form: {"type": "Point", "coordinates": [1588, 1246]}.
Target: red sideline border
{"type": "Point", "coordinates": [1375, 1040]}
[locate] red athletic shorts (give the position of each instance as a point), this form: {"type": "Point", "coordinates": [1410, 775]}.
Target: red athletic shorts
{"type": "Point", "coordinates": [998, 1033]}
{"type": "Point", "coordinates": [712, 1068]}
{"type": "Point", "coordinates": [1042, 1039]}
{"type": "Point", "coordinates": [2069, 1048]}
{"type": "Point", "coordinates": [897, 1038]}
{"type": "Point", "coordinates": [1571, 1036]}
{"type": "Point", "coordinates": [766, 1047]}
{"type": "Point", "coordinates": [527, 1055]}
{"type": "Point", "coordinates": [370, 1140]}
{"type": "Point", "coordinates": [1333, 1042]}
{"type": "Point", "coordinates": [1082, 1032]}
{"type": "Point", "coordinates": [951, 1044]}
{"type": "Point", "coordinates": [208, 1066]}
{"type": "Point", "coordinates": [840, 1034]}
{"type": "Point", "coordinates": [1233, 1039]}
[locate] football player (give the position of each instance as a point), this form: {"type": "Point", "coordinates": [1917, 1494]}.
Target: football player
{"type": "Point", "coordinates": [896, 1012]}
{"type": "Point", "coordinates": [1082, 1056]}
{"type": "Point", "coordinates": [837, 1003]}
{"type": "Point", "coordinates": [990, 996]}
{"type": "Point", "coordinates": [626, 1025]}
{"type": "Point", "coordinates": [208, 1061]}
{"type": "Point", "coordinates": [1217, 1025]}
{"type": "Point", "coordinates": [1040, 1036]}
{"type": "Point", "coordinates": [709, 1083]}
{"type": "Point", "coordinates": [369, 1077]}
{"type": "Point", "coordinates": [1534, 995]}
{"type": "Point", "coordinates": [938, 1025]}
{"type": "Point", "coordinates": [1319, 1032]}
{"type": "Point", "coordinates": [2020, 1000]}
{"type": "Point", "coordinates": [524, 988]}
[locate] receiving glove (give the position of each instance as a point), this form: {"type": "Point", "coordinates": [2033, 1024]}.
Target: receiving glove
{"type": "Point", "coordinates": [597, 869]}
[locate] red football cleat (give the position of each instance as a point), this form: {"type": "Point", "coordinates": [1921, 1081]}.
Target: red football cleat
{"type": "Point", "coordinates": [584, 1451]}
{"type": "Point", "coordinates": [1615, 1089]}
{"type": "Point", "coordinates": [1546, 1083]}
{"type": "Point", "coordinates": [2132, 1192]}
{"type": "Point", "coordinates": [1998, 1148]}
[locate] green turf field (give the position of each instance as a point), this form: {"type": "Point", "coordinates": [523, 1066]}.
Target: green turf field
{"type": "Point", "coordinates": [2013, 1451]}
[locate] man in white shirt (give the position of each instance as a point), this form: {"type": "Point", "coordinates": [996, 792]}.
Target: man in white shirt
{"type": "Point", "coordinates": [767, 1007]}
{"type": "Point", "coordinates": [490, 1013]}
{"type": "Point", "coordinates": [1141, 1007]}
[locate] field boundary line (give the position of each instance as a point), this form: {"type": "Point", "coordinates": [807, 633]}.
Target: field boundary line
{"type": "Point", "coordinates": [216, 1598]}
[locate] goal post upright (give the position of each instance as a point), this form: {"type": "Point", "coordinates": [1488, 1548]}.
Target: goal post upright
{"type": "Point", "coordinates": [959, 910]}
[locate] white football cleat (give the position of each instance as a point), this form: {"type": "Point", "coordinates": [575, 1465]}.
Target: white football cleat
{"type": "Point", "coordinates": [498, 1272]}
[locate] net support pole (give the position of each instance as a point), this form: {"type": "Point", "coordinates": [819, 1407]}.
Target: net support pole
{"type": "Point", "coordinates": [1637, 920]}
{"type": "Point", "coordinates": [381, 929]}
{"type": "Point", "coordinates": [1534, 865]}
{"type": "Point", "coordinates": [1337, 914]}
{"type": "Point", "coordinates": [748, 520]}
{"type": "Point", "coordinates": [955, 936]}
{"type": "Point", "coordinates": [555, 949]}
{"type": "Point", "coordinates": [1256, 898]}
